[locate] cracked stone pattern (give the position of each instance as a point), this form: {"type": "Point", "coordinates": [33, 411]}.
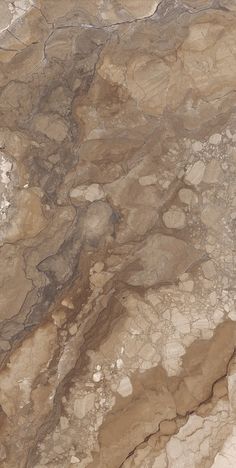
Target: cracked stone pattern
{"type": "Point", "coordinates": [117, 234]}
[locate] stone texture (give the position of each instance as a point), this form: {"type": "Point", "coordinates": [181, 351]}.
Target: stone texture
{"type": "Point", "coordinates": [174, 218]}
{"type": "Point", "coordinates": [117, 239]}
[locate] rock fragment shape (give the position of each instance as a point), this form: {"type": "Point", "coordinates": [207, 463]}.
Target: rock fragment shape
{"type": "Point", "coordinates": [174, 218]}
{"type": "Point", "coordinates": [162, 259]}
{"type": "Point", "coordinates": [195, 173]}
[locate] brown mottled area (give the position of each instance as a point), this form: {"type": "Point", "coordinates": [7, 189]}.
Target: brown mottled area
{"type": "Point", "coordinates": [117, 238]}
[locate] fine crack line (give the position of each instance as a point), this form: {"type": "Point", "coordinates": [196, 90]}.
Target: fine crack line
{"type": "Point", "coordinates": [120, 23]}
{"type": "Point", "coordinates": [186, 415]}
{"type": "Point", "coordinates": [15, 37]}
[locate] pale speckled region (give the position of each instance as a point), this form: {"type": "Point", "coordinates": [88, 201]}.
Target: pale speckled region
{"type": "Point", "coordinates": [12, 11]}
{"type": "Point", "coordinates": [5, 170]}
{"type": "Point", "coordinates": [118, 211]}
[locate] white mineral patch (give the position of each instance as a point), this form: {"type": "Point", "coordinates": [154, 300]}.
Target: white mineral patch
{"type": "Point", "coordinates": [119, 363]}
{"type": "Point", "coordinates": [94, 192]}
{"type": "Point", "coordinates": [5, 168]}
{"type": "Point", "coordinates": [12, 11]}
{"type": "Point", "coordinates": [97, 376]}
{"type": "Point", "coordinates": [74, 460]}
{"type": "Point", "coordinates": [194, 174]}
{"type": "Point", "coordinates": [227, 455]}
{"type": "Point", "coordinates": [125, 387]}
{"type": "Point", "coordinates": [4, 203]}
{"type": "Point", "coordinates": [20, 8]}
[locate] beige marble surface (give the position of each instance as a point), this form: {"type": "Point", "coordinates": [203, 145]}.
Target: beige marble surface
{"type": "Point", "coordinates": [117, 235]}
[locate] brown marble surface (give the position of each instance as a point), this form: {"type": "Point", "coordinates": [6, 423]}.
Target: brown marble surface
{"type": "Point", "coordinates": [117, 237]}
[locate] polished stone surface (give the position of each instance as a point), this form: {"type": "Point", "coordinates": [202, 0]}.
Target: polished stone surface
{"type": "Point", "coordinates": [117, 237]}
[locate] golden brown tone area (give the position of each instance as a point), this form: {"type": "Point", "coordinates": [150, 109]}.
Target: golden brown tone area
{"type": "Point", "coordinates": [117, 238]}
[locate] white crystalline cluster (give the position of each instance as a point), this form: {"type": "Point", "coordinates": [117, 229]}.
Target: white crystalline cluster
{"type": "Point", "coordinates": [5, 168]}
